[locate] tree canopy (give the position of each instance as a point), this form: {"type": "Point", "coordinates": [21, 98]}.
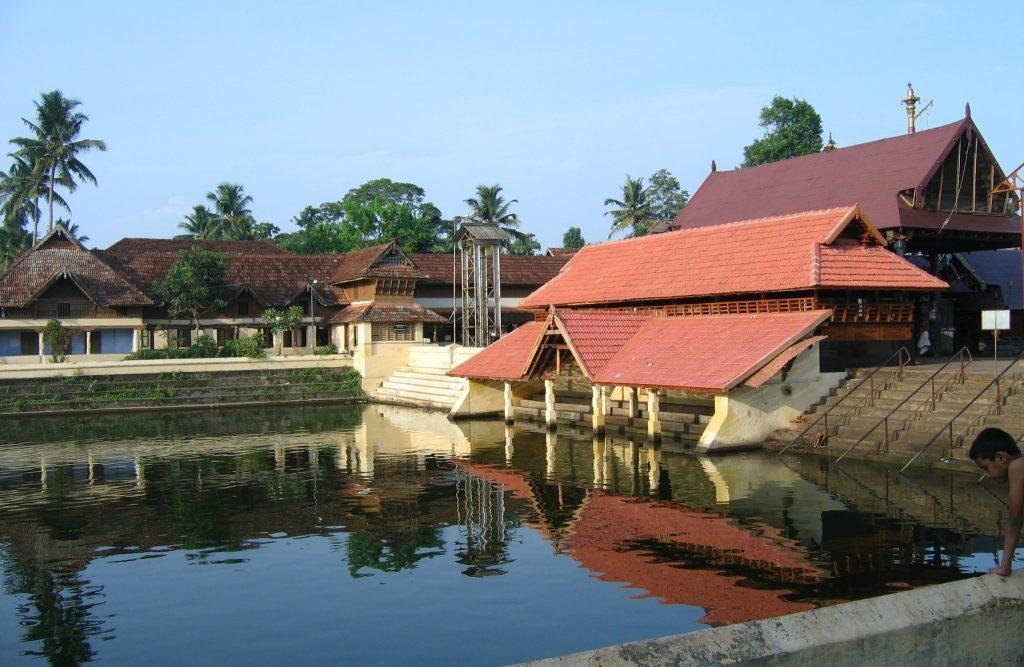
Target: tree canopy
{"type": "Point", "coordinates": [667, 197]}
{"type": "Point", "coordinates": [634, 211]}
{"type": "Point", "coordinates": [573, 239]}
{"type": "Point", "coordinates": [194, 283]}
{"type": "Point", "coordinates": [792, 128]}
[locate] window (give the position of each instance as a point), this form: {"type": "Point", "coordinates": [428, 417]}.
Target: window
{"type": "Point", "coordinates": [63, 309]}
{"type": "Point", "coordinates": [243, 308]}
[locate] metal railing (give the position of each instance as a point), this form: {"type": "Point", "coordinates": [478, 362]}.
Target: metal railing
{"type": "Point", "coordinates": [902, 357]}
{"type": "Point", "coordinates": [929, 381]}
{"type": "Point", "coordinates": [948, 426]}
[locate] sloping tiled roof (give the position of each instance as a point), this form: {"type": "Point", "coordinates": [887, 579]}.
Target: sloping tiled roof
{"type": "Point", "coordinates": [872, 174]}
{"type": "Point", "coordinates": [505, 359]}
{"type": "Point", "coordinates": [594, 336]}
{"type": "Point", "coordinates": [783, 253]}
{"type": "Point", "coordinates": [710, 353]}
{"type": "Point", "coordinates": [134, 245]}
{"type": "Point", "coordinates": [384, 312]}
{"type": "Point", "coordinates": [768, 371]}
{"type": "Point", "coordinates": [367, 263]}
{"type": "Point", "coordinates": [1000, 267]}
{"type": "Point", "coordinates": [561, 252]}
{"type": "Point", "coordinates": [55, 257]}
{"type": "Point", "coordinates": [525, 270]}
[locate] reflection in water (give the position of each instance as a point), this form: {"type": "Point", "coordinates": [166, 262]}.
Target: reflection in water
{"type": "Point", "coordinates": [401, 514]}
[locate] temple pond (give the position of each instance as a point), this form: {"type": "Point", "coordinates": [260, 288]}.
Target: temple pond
{"type": "Point", "coordinates": [380, 535]}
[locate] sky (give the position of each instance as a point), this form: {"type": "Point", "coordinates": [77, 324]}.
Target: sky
{"type": "Point", "coordinates": [555, 101]}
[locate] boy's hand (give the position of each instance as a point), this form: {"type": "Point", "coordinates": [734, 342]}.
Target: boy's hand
{"type": "Point", "coordinates": [1001, 571]}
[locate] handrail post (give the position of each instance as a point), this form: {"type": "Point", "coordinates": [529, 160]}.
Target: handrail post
{"type": "Point", "coordinates": [885, 443]}
{"type": "Point", "coordinates": [826, 429]}
{"type": "Point", "coordinates": [872, 384]}
{"type": "Point", "coordinates": [949, 454]}
{"type": "Point", "coordinates": [999, 399]}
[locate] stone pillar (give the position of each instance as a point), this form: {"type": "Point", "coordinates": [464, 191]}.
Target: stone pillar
{"type": "Point", "coordinates": [634, 403]}
{"type": "Point", "coordinates": [549, 403]}
{"type": "Point", "coordinates": [510, 414]}
{"type": "Point", "coordinates": [653, 468]}
{"type": "Point", "coordinates": [311, 336]}
{"type": "Point", "coordinates": [653, 408]}
{"type": "Point", "coordinates": [279, 341]}
{"type": "Point", "coordinates": [88, 341]}
{"type": "Point", "coordinates": [136, 339]}
{"type": "Point", "coordinates": [598, 460]}
{"type": "Point", "coordinates": [42, 346]}
{"type": "Point", "coordinates": [140, 472]}
{"type": "Point", "coordinates": [597, 409]}
{"type": "Point", "coordinates": [92, 469]}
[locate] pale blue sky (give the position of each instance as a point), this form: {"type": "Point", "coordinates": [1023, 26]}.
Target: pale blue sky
{"type": "Point", "coordinates": [555, 101]}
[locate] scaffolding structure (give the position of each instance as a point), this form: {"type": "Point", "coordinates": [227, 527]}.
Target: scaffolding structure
{"type": "Point", "coordinates": [479, 246]}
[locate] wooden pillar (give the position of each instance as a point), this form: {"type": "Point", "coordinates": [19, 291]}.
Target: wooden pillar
{"type": "Point", "coordinates": [634, 403]}
{"type": "Point", "coordinates": [549, 403]}
{"type": "Point", "coordinates": [653, 423]}
{"type": "Point", "coordinates": [597, 408]}
{"type": "Point", "coordinates": [509, 412]}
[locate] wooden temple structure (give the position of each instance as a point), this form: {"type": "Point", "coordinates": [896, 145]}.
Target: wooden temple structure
{"type": "Point", "coordinates": [735, 312]}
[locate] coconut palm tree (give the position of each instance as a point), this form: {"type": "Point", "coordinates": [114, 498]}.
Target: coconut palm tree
{"type": "Point", "coordinates": [73, 230]}
{"type": "Point", "coordinates": [634, 211]}
{"type": "Point", "coordinates": [21, 187]}
{"type": "Point", "coordinates": [53, 150]}
{"type": "Point", "coordinates": [201, 223]}
{"type": "Point", "coordinates": [13, 241]}
{"type": "Point", "coordinates": [230, 204]}
{"type": "Point", "coordinates": [489, 206]}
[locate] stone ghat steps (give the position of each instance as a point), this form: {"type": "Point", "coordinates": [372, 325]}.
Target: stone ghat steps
{"type": "Point", "coordinates": [423, 381]}
{"type": "Point", "coordinates": [176, 390]}
{"type": "Point", "coordinates": [914, 424]}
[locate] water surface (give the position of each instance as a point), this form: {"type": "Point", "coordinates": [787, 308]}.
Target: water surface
{"type": "Point", "coordinates": [381, 535]}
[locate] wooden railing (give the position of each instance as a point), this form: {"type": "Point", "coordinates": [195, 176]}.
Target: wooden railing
{"type": "Point", "coordinates": [740, 307]}
{"type": "Point", "coordinates": [872, 313]}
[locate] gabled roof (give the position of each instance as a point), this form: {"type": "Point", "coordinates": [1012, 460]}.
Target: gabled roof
{"type": "Point", "coordinates": [999, 267]}
{"type": "Point", "coordinates": [372, 311]}
{"type": "Point", "coordinates": [872, 174]}
{"type": "Point", "coordinates": [373, 262]}
{"type": "Point", "coordinates": [836, 247]}
{"type": "Point", "coordinates": [505, 359]}
{"type": "Point", "coordinates": [520, 270]}
{"type": "Point", "coordinates": [711, 353]}
{"type": "Point", "coordinates": [58, 255]}
{"type": "Point", "coordinates": [594, 336]}
{"type": "Point", "coordinates": [136, 245]}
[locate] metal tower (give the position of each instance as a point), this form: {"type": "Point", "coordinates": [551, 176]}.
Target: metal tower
{"type": "Point", "coordinates": [479, 247]}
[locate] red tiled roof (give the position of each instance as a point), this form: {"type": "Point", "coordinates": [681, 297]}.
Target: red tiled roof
{"type": "Point", "coordinates": [135, 245]}
{"type": "Point", "coordinates": [560, 252]}
{"type": "Point", "coordinates": [384, 312]}
{"type": "Point", "coordinates": [769, 370]}
{"type": "Point", "coordinates": [594, 336]}
{"type": "Point", "coordinates": [872, 174]}
{"type": "Point", "coordinates": [505, 359]}
{"type": "Point", "coordinates": [367, 263]}
{"type": "Point", "coordinates": [777, 254]}
{"type": "Point", "coordinates": [515, 269]}
{"type": "Point", "coordinates": [58, 256]}
{"type": "Point", "coordinates": [710, 353]}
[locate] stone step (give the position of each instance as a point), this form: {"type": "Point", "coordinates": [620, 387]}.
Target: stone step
{"type": "Point", "coordinates": [416, 397]}
{"type": "Point", "coordinates": [428, 379]}
{"type": "Point", "coordinates": [399, 386]}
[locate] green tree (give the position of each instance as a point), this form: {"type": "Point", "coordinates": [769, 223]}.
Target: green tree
{"type": "Point", "coordinates": [194, 283]}
{"type": "Point", "coordinates": [201, 223]}
{"type": "Point", "coordinates": [54, 148]}
{"type": "Point", "coordinates": [572, 239]}
{"type": "Point", "coordinates": [524, 244]}
{"type": "Point", "coordinates": [489, 206]}
{"type": "Point", "coordinates": [667, 197]}
{"type": "Point", "coordinates": [280, 320]}
{"type": "Point", "coordinates": [73, 230]}
{"type": "Point", "coordinates": [21, 187]}
{"type": "Point", "coordinates": [792, 128]}
{"type": "Point", "coordinates": [231, 206]}
{"type": "Point", "coordinates": [633, 211]}
{"type": "Point", "coordinates": [58, 338]}
{"type": "Point", "coordinates": [327, 212]}
{"type": "Point", "coordinates": [13, 241]}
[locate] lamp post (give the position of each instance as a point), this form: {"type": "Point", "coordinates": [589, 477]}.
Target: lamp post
{"type": "Point", "coordinates": [312, 323]}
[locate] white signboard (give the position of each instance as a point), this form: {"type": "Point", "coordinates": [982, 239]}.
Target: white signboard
{"type": "Point", "coordinates": [995, 320]}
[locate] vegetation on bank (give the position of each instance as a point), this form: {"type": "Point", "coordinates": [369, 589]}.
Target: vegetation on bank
{"type": "Point", "coordinates": [86, 392]}
{"type": "Point", "coordinates": [206, 347]}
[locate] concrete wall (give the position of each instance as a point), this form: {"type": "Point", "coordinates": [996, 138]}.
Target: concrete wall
{"type": "Point", "coordinates": [377, 361]}
{"type": "Point", "coordinates": [746, 417]}
{"type": "Point", "coordinates": [970, 622]}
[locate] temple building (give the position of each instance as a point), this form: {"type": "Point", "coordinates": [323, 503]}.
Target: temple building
{"type": "Point", "coordinates": [733, 313]}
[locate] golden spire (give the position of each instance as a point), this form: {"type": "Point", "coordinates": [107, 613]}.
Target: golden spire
{"type": "Point", "coordinates": [911, 101]}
